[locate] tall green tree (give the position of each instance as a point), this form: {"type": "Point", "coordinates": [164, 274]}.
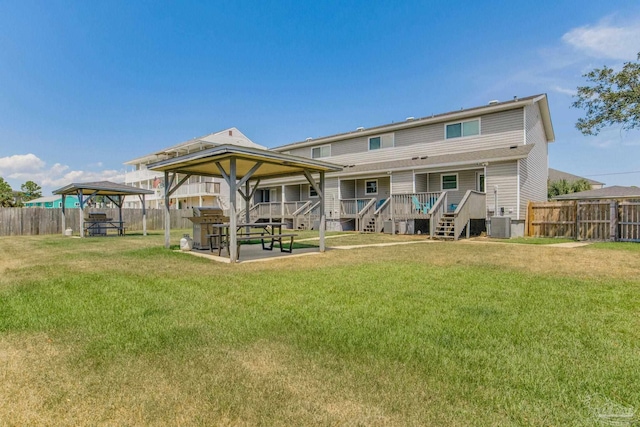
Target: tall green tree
{"type": "Point", "coordinates": [612, 98]}
{"type": "Point", "coordinates": [30, 190]}
{"type": "Point", "coordinates": [6, 194]}
{"type": "Point", "coordinates": [562, 186]}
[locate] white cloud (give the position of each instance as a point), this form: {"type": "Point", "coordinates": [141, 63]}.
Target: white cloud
{"type": "Point", "coordinates": [564, 91]}
{"type": "Point", "coordinates": [606, 39]}
{"type": "Point", "coordinates": [29, 167]}
{"type": "Point", "coordinates": [20, 163]}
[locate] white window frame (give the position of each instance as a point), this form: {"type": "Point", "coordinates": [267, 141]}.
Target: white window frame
{"type": "Point", "coordinates": [365, 187]}
{"type": "Point", "coordinates": [442, 175]}
{"type": "Point", "coordinates": [461, 123]}
{"type": "Point", "coordinates": [320, 147]}
{"type": "Point", "coordinates": [381, 136]}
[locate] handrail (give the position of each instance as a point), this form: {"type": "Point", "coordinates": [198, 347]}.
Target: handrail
{"type": "Point", "coordinates": [472, 206]}
{"type": "Point", "coordinates": [350, 206]}
{"type": "Point", "coordinates": [366, 213]}
{"type": "Point", "coordinates": [366, 207]}
{"type": "Point", "coordinates": [382, 213]}
{"type": "Point", "coordinates": [439, 208]}
{"type": "Point", "coordinates": [413, 205]}
{"type": "Point", "coordinates": [301, 208]}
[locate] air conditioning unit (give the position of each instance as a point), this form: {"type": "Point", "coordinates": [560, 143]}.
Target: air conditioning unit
{"type": "Point", "coordinates": [501, 227]}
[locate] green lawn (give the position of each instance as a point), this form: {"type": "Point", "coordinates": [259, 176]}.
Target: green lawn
{"type": "Point", "coordinates": [120, 331]}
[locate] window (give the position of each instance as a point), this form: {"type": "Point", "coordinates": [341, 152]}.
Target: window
{"type": "Point", "coordinates": [382, 141]}
{"type": "Point", "coordinates": [371, 187]}
{"type": "Point", "coordinates": [322, 151]}
{"type": "Point", "coordinates": [312, 191]}
{"type": "Point", "coordinates": [462, 129]}
{"type": "Point", "coordinates": [480, 183]}
{"type": "Point", "coordinates": [450, 182]}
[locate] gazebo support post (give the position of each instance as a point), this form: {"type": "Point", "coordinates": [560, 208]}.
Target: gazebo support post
{"type": "Point", "coordinates": [144, 215]}
{"type": "Point", "coordinates": [167, 214]}
{"type": "Point", "coordinates": [64, 218]}
{"type": "Point", "coordinates": [247, 218]}
{"type": "Point", "coordinates": [81, 212]}
{"type": "Point", "coordinates": [233, 190]}
{"type": "Point", "coordinates": [322, 213]}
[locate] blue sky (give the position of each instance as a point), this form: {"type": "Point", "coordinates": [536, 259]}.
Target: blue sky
{"type": "Point", "coordinates": [87, 85]}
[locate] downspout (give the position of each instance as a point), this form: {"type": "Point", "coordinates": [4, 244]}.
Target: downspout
{"type": "Point", "coordinates": [518, 191]}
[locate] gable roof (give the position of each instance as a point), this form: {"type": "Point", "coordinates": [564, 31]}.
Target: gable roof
{"type": "Point", "coordinates": [614, 192]}
{"type": "Point", "coordinates": [101, 188]}
{"type": "Point", "coordinates": [556, 175]}
{"type": "Point", "coordinates": [231, 136]}
{"type": "Point", "coordinates": [438, 118]}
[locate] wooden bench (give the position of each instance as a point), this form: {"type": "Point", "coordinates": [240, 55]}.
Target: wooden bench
{"type": "Point", "coordinates": [278, 238]}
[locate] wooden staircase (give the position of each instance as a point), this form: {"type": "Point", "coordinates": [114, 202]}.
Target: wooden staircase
{"type": "Point", "coordinates": [445, 230]}
{"type": "Point", "coordinates": [369, 225]}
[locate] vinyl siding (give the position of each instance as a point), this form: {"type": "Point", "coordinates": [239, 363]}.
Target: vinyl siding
{"type": "Point", "coordinates": [534, 169]}
{"type": "Point", "coordinates": [504, 175]}
{"type": "Point", "coordinates": [466, 181]}
{"type": "Point", "coordinates": [384, 188]}
{"type": "Point", "coordinates": [402, 182]}
{"type": "Point", "coordinates": [331, 200]}
{"type": "Point", "coordinates": [501, 129]}
{"type": "Point", "coordinates": [292, 193]}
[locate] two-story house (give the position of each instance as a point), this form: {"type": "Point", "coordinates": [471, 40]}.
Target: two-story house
{"type": "Point", "coordinates": [442, 174]}
{"type": "Point", "coordinates": [198, 190]}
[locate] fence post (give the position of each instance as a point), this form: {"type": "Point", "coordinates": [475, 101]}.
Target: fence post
{"type": "Point", "coordinates": [529, 225]}
{"type": "Point", "coordinates": [576, 206]}
{"type": "Point", "coordinates": [613, 220]}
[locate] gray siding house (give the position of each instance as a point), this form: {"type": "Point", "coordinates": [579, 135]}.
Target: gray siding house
{"type": "Point", "coordinates": [444, 174]}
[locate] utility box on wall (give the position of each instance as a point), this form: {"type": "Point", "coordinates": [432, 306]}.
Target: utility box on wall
{"type": "Point", "coordinates": [501, 227]}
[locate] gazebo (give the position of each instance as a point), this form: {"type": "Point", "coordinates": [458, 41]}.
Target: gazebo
{"type": "Point", "coordinates": [114, 192]}
{"type": "Point", "coordinates": [240, 165]}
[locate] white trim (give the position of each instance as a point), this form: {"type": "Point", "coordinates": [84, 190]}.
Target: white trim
{"type": "Point", "coordinates": [320, 147]}
{"type": "Point", "coordinates": [442, 175]}
{"type": "Point", "coordinates": [461, 127]}
{"type": "Point", "coordinates": [524, 127]}
{"type": "Point", "coordinates": [365, 187]}
{"type": "Point", "coordinates": [413, 172]}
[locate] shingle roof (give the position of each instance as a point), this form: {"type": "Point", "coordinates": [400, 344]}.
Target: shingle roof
{"type": "Point", "coordinates": [101, 188]}
{"type": "Point", "coordinates": [556, 175]}
{"type": "Point", "coordinates": [465, 158]}
{"type": "Point", "coordinates": [614, 192]}
{"type": "Point", "coordinates": [494, 107]}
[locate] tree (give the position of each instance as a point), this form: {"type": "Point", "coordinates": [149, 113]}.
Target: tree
{"type": "Point", "coordinates": [562, 186]}
{"type": "Point", "coordinates": [6, 194]}
{"type": "Point", "coordinates": [30, 190]}
{"type": "Point", "coordinates": [613, 98]}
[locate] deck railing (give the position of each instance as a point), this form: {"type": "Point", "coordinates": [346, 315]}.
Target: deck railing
{"type": "Point", "coordinates": [290, 208]}
{"type": "Point", "coordinates": [349, 208]}
{"type": "Point", "coordinates": [308, 214]}
{"type": "Point", "coordinates": [472, 206]}
{"type": "Point", "coordinates": [413, 205]}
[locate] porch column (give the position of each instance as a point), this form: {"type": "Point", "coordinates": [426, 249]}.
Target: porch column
{"type": "Point", "coordinates": [81, 212]}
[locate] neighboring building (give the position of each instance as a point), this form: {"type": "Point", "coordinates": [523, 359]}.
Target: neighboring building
{"type": "Point", "coordinates": [556, 175]}
{"type": "Point", "coordinates": [198, 190]}
{"type": "Point", "coordinates": [53, 202]}
{"type": "Point", "coordinates": [411, 176]}
{"type": "Point", "coordinates": [615, 192]}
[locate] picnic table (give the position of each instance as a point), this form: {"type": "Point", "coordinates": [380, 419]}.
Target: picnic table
{"type": "Point", "coordinates": [267, 232]}
{"type": "Point", "coordinates": [99, 227]}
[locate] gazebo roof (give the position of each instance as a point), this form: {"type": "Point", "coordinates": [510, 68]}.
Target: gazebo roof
{"type": "Point", "coordinates": [272, 164]}
{"type": "Point", "coordinates": [101, 188]}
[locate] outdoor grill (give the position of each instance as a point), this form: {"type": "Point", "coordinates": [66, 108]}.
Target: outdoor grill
{"type": "Point", "coordinates": [202, 216]}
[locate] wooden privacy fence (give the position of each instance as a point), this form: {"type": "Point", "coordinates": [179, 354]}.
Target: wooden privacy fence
{"type": "Point", "coordinates": [34, 221]}
{"type": "Point", "coordinates": [585, 220]}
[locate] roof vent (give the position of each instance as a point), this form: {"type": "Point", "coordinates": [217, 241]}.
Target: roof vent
{"type": "Point", "coordinates": [408, 119]}
{"type": "Point", "coordinates": [493, 102]}
{"type": "Point", "coordinates": [515, 98]}
{"type": "Point", "coordinates": [308, 138]}
{"type": "Point", "coordinates": [360, 129]}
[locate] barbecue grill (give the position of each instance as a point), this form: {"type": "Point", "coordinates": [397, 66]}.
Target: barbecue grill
{"type": "Point", "coordinates": [202, 216]}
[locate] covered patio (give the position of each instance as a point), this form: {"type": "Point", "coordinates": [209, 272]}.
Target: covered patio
{"type": "Point", "coordinates": [111, 191]}
{"type": "Point", "coordinates": [242, 168]}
